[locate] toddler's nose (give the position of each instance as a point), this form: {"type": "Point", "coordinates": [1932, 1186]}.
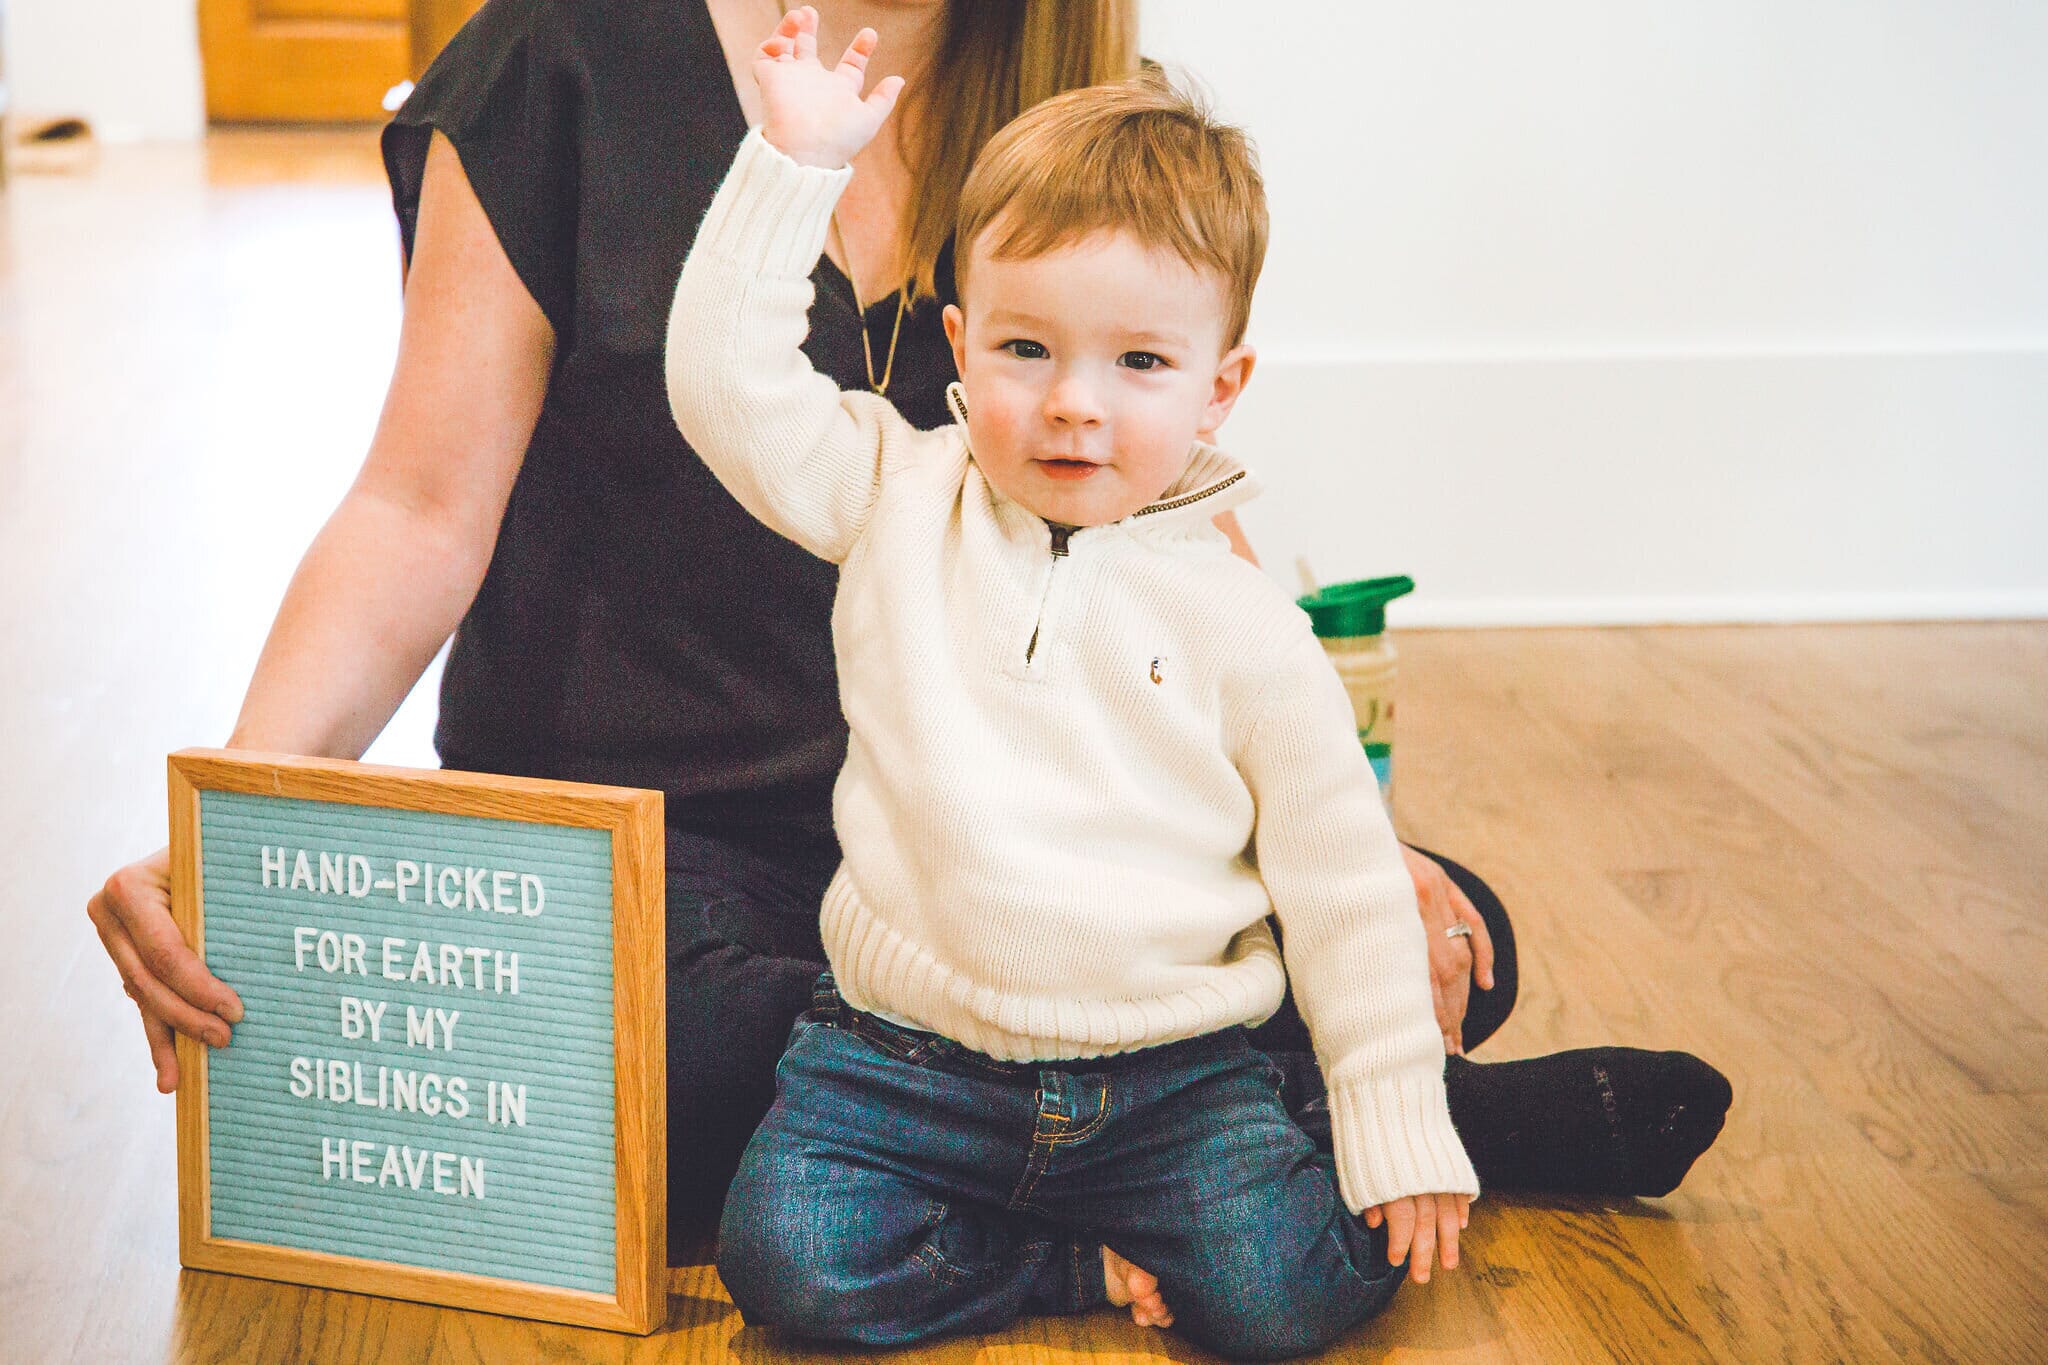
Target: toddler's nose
{"type": "Point", "coordinates": [1072, 402]}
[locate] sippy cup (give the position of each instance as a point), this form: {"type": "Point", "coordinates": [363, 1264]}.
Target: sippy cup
{"type": "Point", "coordinates": [1351, 621]}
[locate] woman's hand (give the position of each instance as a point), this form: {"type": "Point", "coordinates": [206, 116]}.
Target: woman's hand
{"type": "Point", "coordinates": [813, 115]}
{"type": "Point", "coordinates": [1453, 966]}
{"type": "Point", "coordinates": [1428, 1224]}
{"type": "Point", "coordinates": [160, 973]}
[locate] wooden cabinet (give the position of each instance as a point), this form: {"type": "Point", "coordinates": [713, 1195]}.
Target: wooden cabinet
{"type": "Point", "coordinates": [317, 60]}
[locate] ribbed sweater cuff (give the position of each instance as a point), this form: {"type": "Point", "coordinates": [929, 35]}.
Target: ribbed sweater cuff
{"type": "Point", "coordinates": [1394, 1138]}
{"type": "Point", "coordinates": [771, 212]}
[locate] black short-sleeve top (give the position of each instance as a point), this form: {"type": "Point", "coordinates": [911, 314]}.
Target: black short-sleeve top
{"type": "Point", "coordinates": [636, 625]}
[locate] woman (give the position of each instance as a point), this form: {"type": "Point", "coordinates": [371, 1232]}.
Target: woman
{"type": "Point", "coordinates": [619, 619]}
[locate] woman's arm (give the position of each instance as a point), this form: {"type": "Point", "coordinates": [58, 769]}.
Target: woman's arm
{"type": "Point", "coordinates": [386, 579]}
{"type": "Point", "coordinates": [391, 573]}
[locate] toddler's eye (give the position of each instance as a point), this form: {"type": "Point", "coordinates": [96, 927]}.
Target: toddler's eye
{"type": "Point", "coordinates": [1151, 361]}
{"type": "Point", "coordinates": [1035, 351]}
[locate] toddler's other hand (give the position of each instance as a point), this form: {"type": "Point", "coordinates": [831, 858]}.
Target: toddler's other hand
{"type": "Point", "coordinates": [813, 115]}
{"type": "Point", "coordinates": [1427, 1224]}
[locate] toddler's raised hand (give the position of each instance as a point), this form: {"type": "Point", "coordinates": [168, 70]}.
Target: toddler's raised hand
{"type": "Point", "coordinates": [813, 115]}
{"type": "Point", "coordinates": [1425, 1224]}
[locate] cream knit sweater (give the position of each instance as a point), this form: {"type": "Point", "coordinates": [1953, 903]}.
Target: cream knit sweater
{"type": "Point", "coordinates": [1065, 749]}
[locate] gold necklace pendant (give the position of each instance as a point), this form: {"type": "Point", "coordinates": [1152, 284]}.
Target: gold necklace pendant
{"type": "Point", "coordinates": [888, 364]}
{"type": "Point", "coordinates": [860, 309]}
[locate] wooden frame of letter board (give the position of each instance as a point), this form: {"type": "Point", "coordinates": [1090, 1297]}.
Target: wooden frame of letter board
{"type": "Point", "coordinates": [634, 817]}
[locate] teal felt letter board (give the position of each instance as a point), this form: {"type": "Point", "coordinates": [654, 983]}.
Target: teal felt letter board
{"type": "Point", "coordinates": [446, 1085]}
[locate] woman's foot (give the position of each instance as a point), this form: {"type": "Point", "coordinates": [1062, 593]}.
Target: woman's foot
{"type": "Point", "coordinates": [1139, 1288]}
{"type": "Point", "coordinates": [1601, 1120]}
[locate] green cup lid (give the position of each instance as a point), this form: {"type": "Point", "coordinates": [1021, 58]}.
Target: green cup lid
{"type": "Point", "coordinates": [1355, 608]}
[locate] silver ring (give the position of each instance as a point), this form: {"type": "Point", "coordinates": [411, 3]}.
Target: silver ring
{"type": "Point", "coordinates": [1459, 930]}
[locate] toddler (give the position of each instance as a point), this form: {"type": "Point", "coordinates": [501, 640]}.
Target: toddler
{"type": "Point", "coordinates": [1090, 750]}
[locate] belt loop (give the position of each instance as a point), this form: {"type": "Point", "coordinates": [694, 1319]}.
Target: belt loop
{"type": "Point", "coordinates": [825, 999]}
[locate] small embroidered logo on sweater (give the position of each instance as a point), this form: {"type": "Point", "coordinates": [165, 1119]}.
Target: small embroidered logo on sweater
{"type": "Point", "coordinates": [1156, 677]}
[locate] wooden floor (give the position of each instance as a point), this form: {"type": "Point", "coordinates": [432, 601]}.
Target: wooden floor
{"type": "Point", "coordinates": [1814, 855]}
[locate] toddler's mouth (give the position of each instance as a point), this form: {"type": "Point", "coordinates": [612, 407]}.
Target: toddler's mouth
{"type": "Point", "coordinates": [1068, 469]}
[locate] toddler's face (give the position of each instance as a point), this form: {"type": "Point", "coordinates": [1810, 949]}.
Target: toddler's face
{"type": "Point", "coordinates": [1089, 371]}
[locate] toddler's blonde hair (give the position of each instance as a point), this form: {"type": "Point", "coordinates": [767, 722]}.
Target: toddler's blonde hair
{"type": "Point", "coordinates": [1138, 155]}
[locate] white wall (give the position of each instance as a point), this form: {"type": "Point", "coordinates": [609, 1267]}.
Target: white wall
{"type": "Point", "coordinates": [129, 66]}
{"type": "Point", "coordinates": [1602, 311]}
{"type": "Point", "coordinates": [1581, 310]}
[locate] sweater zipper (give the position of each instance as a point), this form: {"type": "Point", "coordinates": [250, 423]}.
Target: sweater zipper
{"type": "Point", "coordinates": [1208, 492]}
{"type": "Point", "coordinates": [1060, 536]}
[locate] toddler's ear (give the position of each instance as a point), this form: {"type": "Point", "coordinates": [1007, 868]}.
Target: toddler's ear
{"type": "Point", "coordinates": [956, 335]}
{"type": "Point", "coordinates": [1233, 372]}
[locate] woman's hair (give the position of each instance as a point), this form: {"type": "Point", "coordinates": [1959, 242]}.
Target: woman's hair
{"type": "Point", "coordinates": [1139, 155]}
{"type": "Point", "coordinates": [995, 59]}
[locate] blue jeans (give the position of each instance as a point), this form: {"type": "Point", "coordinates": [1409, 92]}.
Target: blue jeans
{"type": "Point", "coordinates": [904, 1187]}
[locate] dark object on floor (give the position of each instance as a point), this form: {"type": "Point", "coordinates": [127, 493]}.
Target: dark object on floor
{"type": "Point", "coordinates": [59, 130]}
{"type": "Point", "coordinates": [54, 144]}
{"type": "Point", "coordinates": [1602, 1120]}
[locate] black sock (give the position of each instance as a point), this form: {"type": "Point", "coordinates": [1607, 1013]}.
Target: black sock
{"type": "Point", "coordinates": [1600, 1120]}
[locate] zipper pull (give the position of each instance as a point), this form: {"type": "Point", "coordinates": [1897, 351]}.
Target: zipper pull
{"type": "Point", "coordinates": [1060, 535]}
